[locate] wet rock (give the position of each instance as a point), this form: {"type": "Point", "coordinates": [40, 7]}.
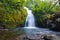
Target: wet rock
{"type": "Point", "coordinates": [50, 37]}
{"type": "Point", "coordinates": [54, 21]}
{"type": "Point", "coordinates": [38, 37]}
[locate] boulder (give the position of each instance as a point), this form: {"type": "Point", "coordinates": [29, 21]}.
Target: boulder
{"type": "Point", "coordinates": [54, 21]}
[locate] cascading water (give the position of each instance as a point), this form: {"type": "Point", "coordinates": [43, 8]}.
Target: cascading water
{"type": "Point", "coordinates": [30, 21]}
{"type": "Point", "coordinates": [30, 25]}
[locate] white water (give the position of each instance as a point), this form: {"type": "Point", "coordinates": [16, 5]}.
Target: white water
{"type": "Point", "coordinates": [30, 20]}
{"type": "Point", "coordinates": [31, 28]}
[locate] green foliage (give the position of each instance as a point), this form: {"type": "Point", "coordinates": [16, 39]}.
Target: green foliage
{"type": "Point", "coordinates": [11, 34]}
{"type": "Point", "coordinates": [42, 10]}
{"type": "Point", "coordinates": [28, 3]}
{"type": "Point", "coordinates": [8, 35]}
{"type": "Point", "coordinates": [12, 13]}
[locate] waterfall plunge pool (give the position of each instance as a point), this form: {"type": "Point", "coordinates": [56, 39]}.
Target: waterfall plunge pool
{"type": "Point", "coordinates": [30, 25]}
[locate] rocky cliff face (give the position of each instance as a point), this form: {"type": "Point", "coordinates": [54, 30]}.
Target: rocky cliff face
{"type": "Point", "coordinates": [54, 21]}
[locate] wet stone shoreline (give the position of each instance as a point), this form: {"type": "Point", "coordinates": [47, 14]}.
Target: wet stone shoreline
{"type": "Point", "coordinates": [38, 34]}
{"type": "Point", "coordinates": [35, 34]}
{"type": "Point", "coordinates": [37, 37]}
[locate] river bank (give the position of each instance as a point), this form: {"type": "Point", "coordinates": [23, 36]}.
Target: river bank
{"type": "Point", "coordinates": [39, 34]}
{"type": "Point", "coordinates": [29, 34]}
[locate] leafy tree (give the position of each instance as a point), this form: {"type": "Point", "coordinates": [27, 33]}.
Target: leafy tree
{"type": "Point", "coordinates": [12, 13]}
{"type": "Point", "coordinates": [42, 10]}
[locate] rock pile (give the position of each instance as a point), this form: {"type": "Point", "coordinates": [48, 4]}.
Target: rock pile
{"type": "Point", "coordinates": [37, 37]}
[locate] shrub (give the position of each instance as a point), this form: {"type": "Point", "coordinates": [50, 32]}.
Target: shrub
{"type": "Point", "coordinates": [12, 13]}
{"type": "Point", "coordinates": [42, 10]}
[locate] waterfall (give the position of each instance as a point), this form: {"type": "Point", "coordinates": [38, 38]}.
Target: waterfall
{"type": "Point", "coordinates": [30, 20]}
